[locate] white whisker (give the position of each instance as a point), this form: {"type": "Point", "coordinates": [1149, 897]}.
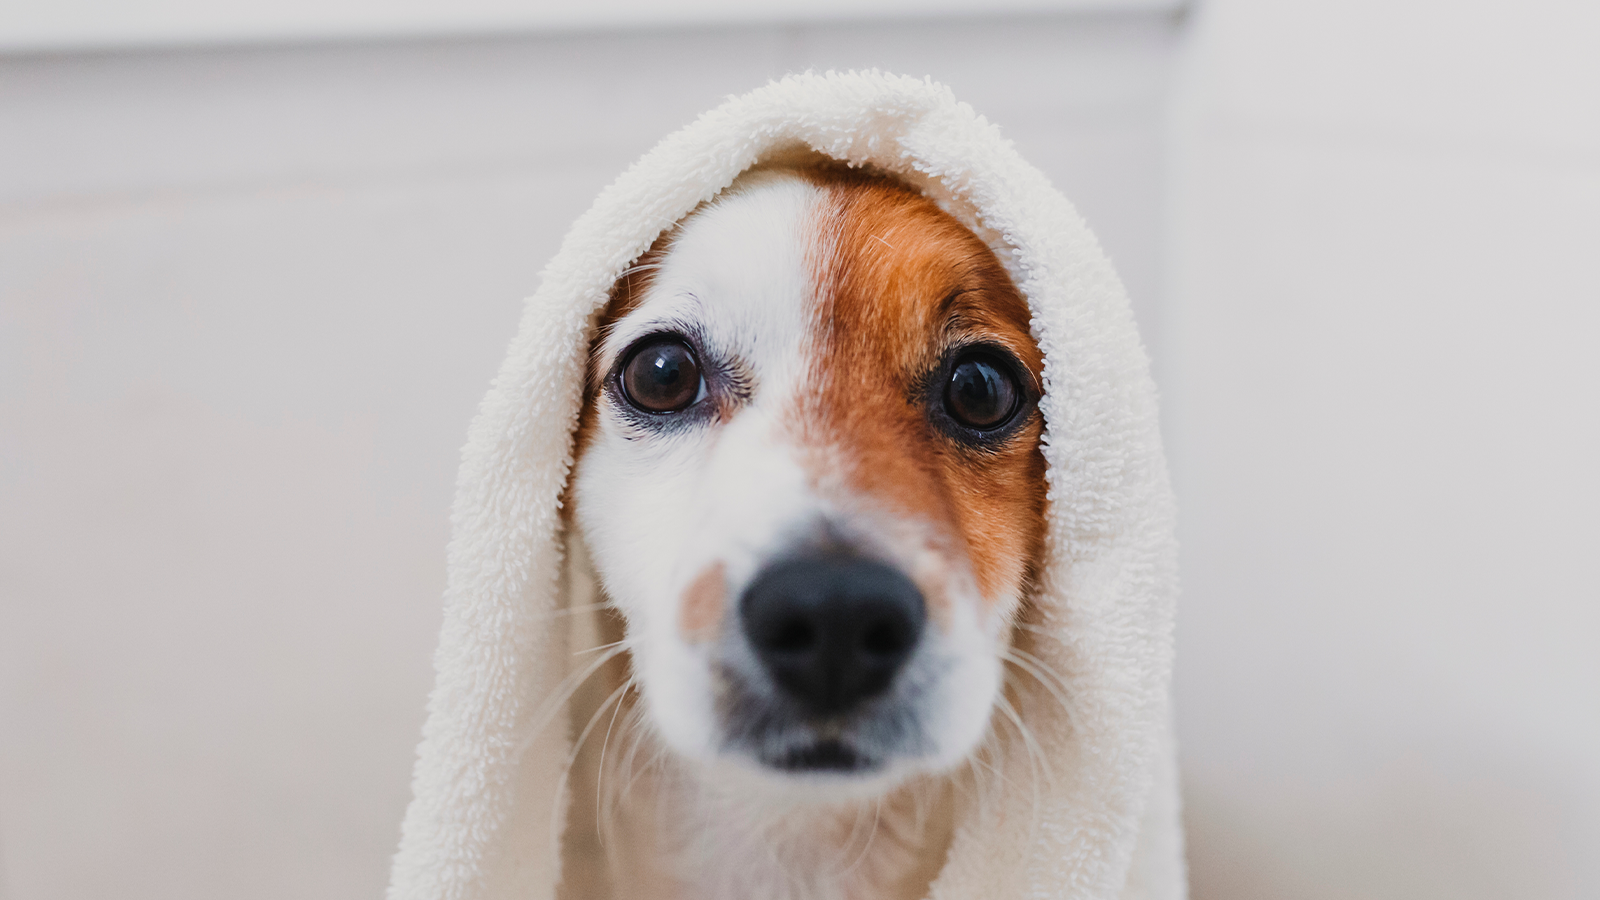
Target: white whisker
{"type": "Point", "coordinates": [577, 749]}
{"type": "Point", "coordinates": [600, 770]}
{"type": "Point", "coordinates": [1047, 677]}
{"type": "Point", "coordinates": [600, 648]}
{"type": "Point", "coordinates": [563, 692]}
{"type": "Point", "coordinates": [1036, 758]}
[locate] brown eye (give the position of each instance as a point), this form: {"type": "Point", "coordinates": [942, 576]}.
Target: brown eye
{"type": "Point", "coordinates": [661, 376]}
{"type": "Point", "coordinates": [982, 393]}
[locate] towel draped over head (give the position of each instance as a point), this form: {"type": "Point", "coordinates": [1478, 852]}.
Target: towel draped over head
{"type": "Point", "coordinates": [1105, 823]}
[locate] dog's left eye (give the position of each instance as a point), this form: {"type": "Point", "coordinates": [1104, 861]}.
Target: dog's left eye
{"type": "Point", "coordinates": [661, 376]}
{"type": "Point", "coordinates": [981, 393]}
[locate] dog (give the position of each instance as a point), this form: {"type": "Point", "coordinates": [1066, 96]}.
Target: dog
{"type": "Point", "coordinates": [808, 478]}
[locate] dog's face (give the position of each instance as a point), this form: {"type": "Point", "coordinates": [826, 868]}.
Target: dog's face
{"type": "Point", "coordinates": [809, 476]}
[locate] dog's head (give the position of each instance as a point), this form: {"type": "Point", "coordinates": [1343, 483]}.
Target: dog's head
{"type": "Point", "coordinates": [809, 477]}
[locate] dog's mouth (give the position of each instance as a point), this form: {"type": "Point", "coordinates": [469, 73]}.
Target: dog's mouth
{"type": "Point", "coordinates": [829, 755]}
{"type": "Point", "coordinates": [782, 739]}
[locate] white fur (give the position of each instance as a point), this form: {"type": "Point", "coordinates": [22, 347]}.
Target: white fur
{"type": "Point", "coordinates": [656, 511]}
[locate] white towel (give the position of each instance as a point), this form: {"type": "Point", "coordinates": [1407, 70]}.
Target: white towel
{"type": "Point", "coordinates": [488, 782]}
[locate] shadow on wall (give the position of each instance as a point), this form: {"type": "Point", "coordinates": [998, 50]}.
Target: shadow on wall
{"type": "Point", "coordinates": [1405, 832]}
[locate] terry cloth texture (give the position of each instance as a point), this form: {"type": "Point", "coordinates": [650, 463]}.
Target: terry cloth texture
{"type": "Point", "coordinates": [1105, 825]}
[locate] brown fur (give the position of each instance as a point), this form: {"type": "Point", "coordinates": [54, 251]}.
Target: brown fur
{"type": "Point", "coordinates": [904, 282]}
{"type": "Point", "coordinates": [629, 291]}
{"type": "Point", "coordinates": [700, 611]}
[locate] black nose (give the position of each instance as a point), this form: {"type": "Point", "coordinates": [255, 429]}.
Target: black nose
{"type": "Point", "coordinates": [832, 630]}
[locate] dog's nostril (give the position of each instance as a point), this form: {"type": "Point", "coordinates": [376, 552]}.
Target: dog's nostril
{"type": "Point", "coordinates": [884, 638]}
{"type": "Point", "coordinates": [793, 636]}
{"type": "Point", "coordinates": [832, 630]}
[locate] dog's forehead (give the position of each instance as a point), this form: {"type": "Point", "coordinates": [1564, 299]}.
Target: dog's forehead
{"type": "Point", "coordinates": [738, 274]}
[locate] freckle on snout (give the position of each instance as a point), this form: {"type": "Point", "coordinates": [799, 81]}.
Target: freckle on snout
{"type": "Point", "coordinates": [700, 610]}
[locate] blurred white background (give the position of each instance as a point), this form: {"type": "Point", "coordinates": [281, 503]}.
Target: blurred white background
{"type": "Point", "coordinates": [256, 269]}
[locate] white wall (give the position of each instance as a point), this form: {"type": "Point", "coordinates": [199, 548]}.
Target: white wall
{"type": "Point", "coordinates": [1384, 398]}
{"type": "Point", "coordinates": [249, 299]}
{"type": "Point", "coordinates": [99, 24]}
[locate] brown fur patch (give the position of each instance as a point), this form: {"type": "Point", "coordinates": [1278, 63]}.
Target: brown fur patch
{"type": "Point", "coordinates": [903, 283]}
{"type": "Point", "coordinates": [626, 295]}
{"type": "Point", "coordinates": [700, 610]}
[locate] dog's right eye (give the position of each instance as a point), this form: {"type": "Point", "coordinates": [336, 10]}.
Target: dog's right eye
{"type": "Point", "coordinates": [661, 376]}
